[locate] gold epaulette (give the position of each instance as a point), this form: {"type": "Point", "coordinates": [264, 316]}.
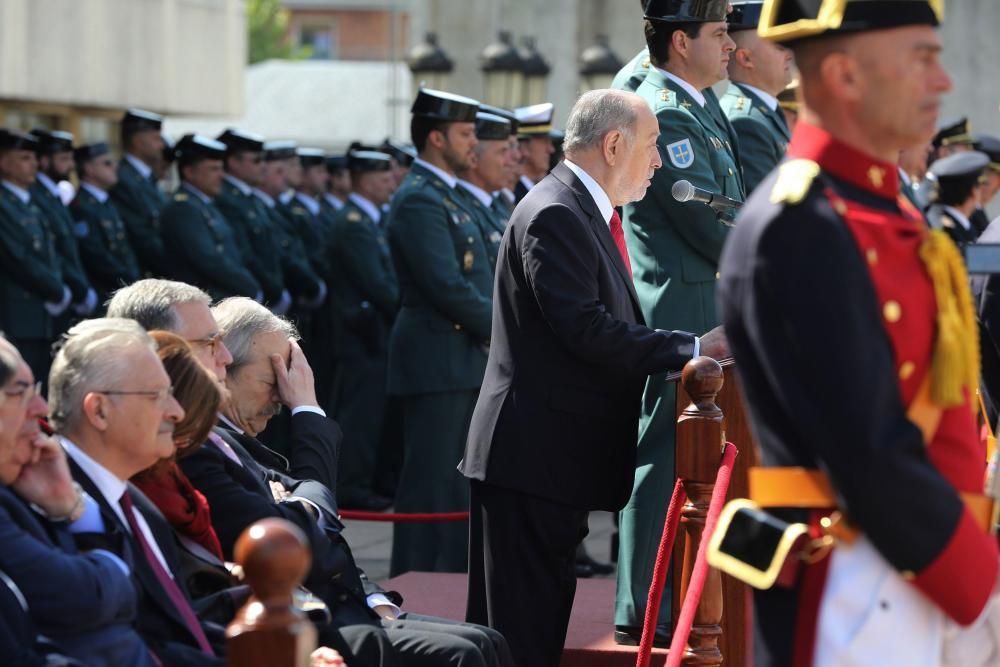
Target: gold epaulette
{"type": "Point", "coordinates": [795, 177]}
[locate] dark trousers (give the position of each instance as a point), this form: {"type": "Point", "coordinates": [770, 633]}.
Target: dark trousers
{"type": "Point", "coordinates": [521, 570]}
{"type": "Point", "coordinates": [359, 405]}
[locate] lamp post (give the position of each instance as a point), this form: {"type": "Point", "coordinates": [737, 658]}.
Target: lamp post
{"type": "Point", "coordinates": [598, 65]}
{"type": "Point", "coordinates": [503, 74]}
{"type": "Point", "coordinates": [429, 64]}
{"type": "Point", "coordinates": [536, 72]}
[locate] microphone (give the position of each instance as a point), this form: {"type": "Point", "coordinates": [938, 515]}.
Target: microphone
{"type": "Point", "coordinates": [683, 191]}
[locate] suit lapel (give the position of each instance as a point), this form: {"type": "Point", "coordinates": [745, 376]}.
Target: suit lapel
{"type": "Point", "coordinates": [597, 225]}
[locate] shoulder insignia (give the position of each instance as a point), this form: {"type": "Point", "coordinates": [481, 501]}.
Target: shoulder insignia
{"type": "Point", "coordinates": [741, 102]}
{"type": "Point", "coordinates": [947, 221]}
{"type": "Point", "coordinates": [645, 64]}
{"type": "Point", "coordinates": [686, 104]}
{"type": "Point", "coordinates": [681, 153]}
{"type": "Point", "coordinates": [467, 260]}
{"type": "Point", "coordinates": [795, 177]}
{"type": "Point", "coordinates": [450, 204]}
{"type": "Point", "coordinates": [353, 216]}
{"type": "Point", "coordinates": [180, 196]}
{"type": "Point", "coordinates": [668, 96]}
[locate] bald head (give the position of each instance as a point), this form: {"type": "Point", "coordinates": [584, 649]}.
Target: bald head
{"type": "Point", "coordinates": [760, 63]}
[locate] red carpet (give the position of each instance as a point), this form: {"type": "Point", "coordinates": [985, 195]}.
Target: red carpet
{"type": "Point", "coordinates": [589, 642]}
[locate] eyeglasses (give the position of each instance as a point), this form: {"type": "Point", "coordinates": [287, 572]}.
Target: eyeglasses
{"type": "Point", "coordinates": [24, 391]}
{"type": "Point", "coordinates": [160, 395]}
{"type": "Point", "coordinates": [212, 342]}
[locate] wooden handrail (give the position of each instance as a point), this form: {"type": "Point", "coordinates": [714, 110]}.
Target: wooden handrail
{"type": "Point", "coordinates": [268, 629]}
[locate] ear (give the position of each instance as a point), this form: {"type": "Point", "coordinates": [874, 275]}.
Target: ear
{"type": "Point", "coordinates": [437, 139]}
{"type": "Point", "coordinates": [744, 57]}
{"type": "Point", "coordinates": [613, 145]}
{"type": "Point", "coordinates": [95, 410]}
{"type": "Point", "coordinates": [842, 75]}
{"type": "Point", "coordinates": [680, 41]}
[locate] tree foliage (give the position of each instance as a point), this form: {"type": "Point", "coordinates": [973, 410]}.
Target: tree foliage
{"type": "Point", "coordinates": [267, 23]}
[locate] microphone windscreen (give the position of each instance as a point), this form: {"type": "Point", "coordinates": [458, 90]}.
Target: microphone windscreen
{"type": "Point", "coordinates": [682, 191]}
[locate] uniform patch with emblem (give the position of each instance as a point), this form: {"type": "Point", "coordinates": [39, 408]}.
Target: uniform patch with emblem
{"type": "Point", "coordinates": [467, 259]}
{"type": "Point", "coordinates": [353, 216]}
{"type": "Point", "coordinates": [681, 154]}
{"type": "Point", "coordinates": [741, 103]}
{"type": "Point", "coordinates": [81, 229]}
{"type": "Point", "coordinates": [180, 196]}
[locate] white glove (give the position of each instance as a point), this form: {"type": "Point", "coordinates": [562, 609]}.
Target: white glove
{"type": "Point", "coordinates": [284, 303]}
{"type": "Point", "coordinates": [86, 307]}
{"type": "Point", "coordinates": [977, 645]}
{"type": "Point", "coordinates": [316, 301]}
{"type": "Point", "coordinates": [55, 309]}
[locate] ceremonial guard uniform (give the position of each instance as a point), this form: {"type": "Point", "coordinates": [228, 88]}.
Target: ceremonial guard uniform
{"type": "Point", "coordinates": [991, 147]}
{"type": "Point", "coordinates": [45, 195]}
{"type": "Point", "coordinates": [367, 292]}
{"type": "Point", "coordinates": [954, 199]}
{"type": "Point", "coordinates": [674, 249]}
{"type": "Point", "coordinates": [100, 232]}
{"type": "Point", "coordinates": [438, 344]}
{"type": "Point", "coordinates": [137, 197]}
{"type": "Point", "coordinates": [32, 290]}
{"type": "Point", "coordinates": [250, 223]}
{"type": "Point", "coordinates": [856, 345]}
{"type": "Point", "coordinates": [759, 124]}
{"type": "Point", "coordinates": [202, 246]}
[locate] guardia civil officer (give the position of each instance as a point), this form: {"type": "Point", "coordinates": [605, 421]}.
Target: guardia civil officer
{"type": "Point", "coordinates": [101, 233]}
{"type": "Point", "coordinates": [991, 147]}
{"type": "Point", "coordinates": [32, 289]}
{"type": "Point", "coordinates": [758, 71]}
{"type": "Point", "coordinates": [367, 293]}
{"type": "Point", "coordinates": [534, 125]}
{"type": "Point", "coordinates": [135, 194]}
{"type": "Point", "coordinates": [437, 348]}
{"type": "Point", "coordinates": [960, 178]}
{"type": "Point", "coordinates": [674, 249]}
{"type": "Point", "coordinates": [202, 245]}
{"type": "Point", "coordinates": [338, 185]}
{"type": "Point", "coordinates": [487, 174]}
{"type": "Point", "coordinates": [880, 420]}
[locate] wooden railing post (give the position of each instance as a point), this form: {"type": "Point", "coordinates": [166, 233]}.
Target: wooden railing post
{"type": "Point", "coordinates": [700, 441]}
{"type": "Point", "coordinates": [269, 630]}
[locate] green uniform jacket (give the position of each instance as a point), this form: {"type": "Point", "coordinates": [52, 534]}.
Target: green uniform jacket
{"type": "Point", "coordinates": [203, 247]}
{"type": "Point", "coordinates": [763, 134]}
{"type": "Point", "coordinates": [253, 234]}
{"type": "Point", "coordinates": [491, 223]}
{"type": "Point", "coordinates": [30, 273]}
{"type": "Point", "coordinates": [674, 246]}
{"type": "Point", "coordinates": [299, 276]}
{"type": "Point", "coordinates": [60, 224]}
{"type": "Point", "coordinates": [633, 73]}
{"type": "Point", "coordinates": [364, 282]}
{"type": "Point", "coordinates": [139, 202]}
{"type": "Point", "coordinates": [446, 286]}
{"type": "Point", "coordinates": [103, 242]}
{"type": "Point", "coordinates": [313, 232]}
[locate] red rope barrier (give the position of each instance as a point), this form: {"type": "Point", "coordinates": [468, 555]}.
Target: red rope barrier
{"type": "Point", "coordinates": [697, 583]}
{"type": "Point", "coordinates": [427, 517]}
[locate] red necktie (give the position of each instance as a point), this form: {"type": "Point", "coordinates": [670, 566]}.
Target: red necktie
{"type": "Point", "coordinates": [169, 585]}
{"type": "Point", "coordinates": [618, 234]}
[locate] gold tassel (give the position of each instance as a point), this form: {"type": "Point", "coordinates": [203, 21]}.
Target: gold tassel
{"type": "Point", "coordinates": [955, 361]}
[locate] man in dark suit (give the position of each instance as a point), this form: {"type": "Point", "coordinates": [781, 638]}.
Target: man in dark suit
{"type": "Point", "coordinates": [553, 434]}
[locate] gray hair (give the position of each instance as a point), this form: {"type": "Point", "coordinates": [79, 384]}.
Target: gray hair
{"type": "Point", "coordinates": [596, 113]}
{"type": "Point", "coordinates": [92, 358]}
{"type": "Point", "coordinates": [241, 319]}
{"type": "Point", "coordinates": [8, 362]}
{"type": "Point", "coordinates": [151, 302]}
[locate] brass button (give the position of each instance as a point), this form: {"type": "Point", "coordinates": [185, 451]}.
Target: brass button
{"type": "Point", "coordinates": [458, 327]}
{"type": "Point", "coordinates": [716, 275]}
{"type": "Point", "coordinates": [840, 207]}
{"type": "Point", "coordinates": [730, 171]}
{"type": "Point", "coordinates": [892, 311]}
{"type": "Point", "coordinates": [872, 256]}
{"type": "Point", "coordinates": [471, 239]}
{"type": "Point", "coordinates": [906, 370]}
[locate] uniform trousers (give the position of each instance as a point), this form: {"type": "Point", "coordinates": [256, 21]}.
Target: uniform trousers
{"type": "Point", "coordinates": [359, 405]}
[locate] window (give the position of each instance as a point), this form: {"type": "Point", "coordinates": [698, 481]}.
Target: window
{"type": "Point", "coordinates": [321, 38]}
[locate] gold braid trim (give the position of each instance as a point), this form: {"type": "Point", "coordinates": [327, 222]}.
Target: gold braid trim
{"type": "Point", "coordinates": [955, 361]}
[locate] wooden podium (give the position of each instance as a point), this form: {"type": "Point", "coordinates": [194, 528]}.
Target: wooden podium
{"type": "Point", "coordinates": [710, 412]}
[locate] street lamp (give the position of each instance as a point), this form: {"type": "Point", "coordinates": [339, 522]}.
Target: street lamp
{"type": "Point", "coordinates": [536, 71]}
{"type": "Point", "coordinates": [598, 65]}
{"type": "Point", "coordinates": [502, 73]}
{"type": "Point", "coordinates": [429, 64]}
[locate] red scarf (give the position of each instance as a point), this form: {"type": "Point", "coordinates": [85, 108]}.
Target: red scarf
{"type": "Point", "coordinates": [183, 505]}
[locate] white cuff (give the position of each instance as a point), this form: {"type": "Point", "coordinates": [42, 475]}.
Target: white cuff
{"type": "Point", "coordinates": [379, 599]}
{"type": "Point", "coordinates": [284, 302]}
{"type": "Point", "coordinates": [697, 347]}
{"type": "Point", "coordinates": [58, 308]}
{"type": "Point", "coordinates": [308, 408]}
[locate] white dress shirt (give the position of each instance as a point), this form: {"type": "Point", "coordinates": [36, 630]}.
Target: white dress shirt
{"type": "Point", "coordinates": [239, 184]}
{"type": "Point", "coordinates": [485, 198]}
{"type": "Point", "coordinates": [770, 100]}
{"type": "Point", "coordinates": [959, 216]}
{"type": "Point", "coordinates": [438, 171]}
{"type": "Point", "coordinates": [688, 88]}
{"type": "Point", "coordinates": [310, 203]}
{"type": "Point", "coordinates": [99, 194]}
{"type": "Point", "coordinates": [144, 170]}
{"type": "Point", "coordinates": [367, 206]}
{"type": "Point", "coordinates": [20, 193]}
{"type": "Point", "coordinates": [333, 200]}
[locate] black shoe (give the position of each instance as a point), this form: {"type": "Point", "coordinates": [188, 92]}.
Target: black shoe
{"type": "Point", "coordinates": [596, 566]}
{"type": "Point", "coordinates": [629, 636]}
{"type": "Point", "coordinates": [370, 503]}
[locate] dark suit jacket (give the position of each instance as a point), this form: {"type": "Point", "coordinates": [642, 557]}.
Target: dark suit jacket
{"type": "Point", "coordinates": [159, 623]}
{"type": "Point", "coordinates": [83, 602]}
{"type": "Point", "coordinates": [558, 412]}
{"type": "Point", "coordinates": [239, 494]}
{"type": "Point", "coordinates": [987, 290]}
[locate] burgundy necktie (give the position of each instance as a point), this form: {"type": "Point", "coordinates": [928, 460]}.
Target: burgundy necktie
{"type": "Point", "coordinates": [618, 234]}
{"type": "Point", "coordinates": [169, 585]}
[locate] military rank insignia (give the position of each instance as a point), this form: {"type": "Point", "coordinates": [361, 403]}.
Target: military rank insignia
{"type": "Point", "coordinates": [467, 260]}
{"type": "Point", "coordinates": [681, 154]}
{"type": "Point", "coordinates": [353, 216]}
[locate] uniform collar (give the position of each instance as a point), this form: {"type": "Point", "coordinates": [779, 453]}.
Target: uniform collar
{"type": "Point", "coordinates": [196, 192]}
{"type": "Point", "coordinates": [264, 197]}
{"type": "Point", "coordinates": [239, 184]}
{"type": "Point", "coordinates": [98, 194]}
{"type": "Point", "coordinates": [333, 200]}
{"type": "Point", "coordinates": [310, 203]}
{"type": "Point", "coordinates": [49, 185]}
{"type": "Point", "coordinates": [526, 182]}
{"type": "Point", "coordinates": [18, 192]}
{"type": "Point", "coordinates": [698, 96]}
{"type": "Point", "coordinates": [370, 209]}
{"type": "Point", "coordinates": [509, 195]}
{"type": "Point", "coordinates": [144, 170]}
{"type": "Point", "coordinates": [485, 198]}
{"type": "Point", "coordinates": [957, 216]}
{"type": "Point", "coordinates": [770, 100]}
{"type": "Point", "coordinates": [449, 179]}
{"type": "Point", "coordinates": [846, 163]}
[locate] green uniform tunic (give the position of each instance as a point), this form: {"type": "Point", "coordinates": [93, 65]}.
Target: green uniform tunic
{"type": "Point", "coordinates": [103, 241]}
{"type": "Point", "coordinates": [252, 227]}
{"type": "Point", "coordinates": [763, 133]}
{"type": "Point", "coordinates": [139, 202]}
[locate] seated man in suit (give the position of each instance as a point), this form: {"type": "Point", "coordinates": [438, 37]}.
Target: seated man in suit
{"type": "Point", "coordinates": [241, 478]}
{"type": "Point", "coordinates": [41, 511]}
